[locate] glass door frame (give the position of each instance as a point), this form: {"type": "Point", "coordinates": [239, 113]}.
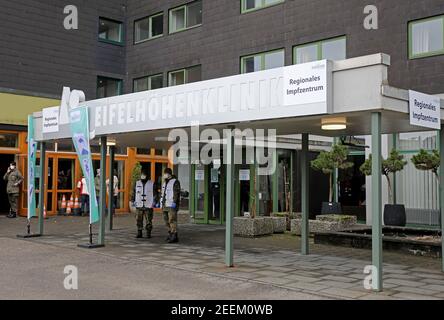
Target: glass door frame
{"type": "Point", "coordinates": [193, 197]}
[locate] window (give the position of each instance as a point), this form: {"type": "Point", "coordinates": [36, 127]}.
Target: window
{"type": "Point", "coordinates": [148, 83]}
{"type": "Point", "coordinates": [185, 17]}
{"type": "Point", "coordinates": [108, 87]}
{"type": "Point", "coordinates": [263, 61]}
{"type": "Point", "coordinates": [252, 5]}
{"type": "Point", "coordinates": [110, 31]}
{"type": "Point", "coordinates": [148, 28]}
{"type": "Point", "coordinates": [331, 49]}
{"type": "Point", "coordinates": [426, 37]}
{"type": "Point", "coordinates": [8, 140]}
{"type": "Point", "coordinates": [184, 76]}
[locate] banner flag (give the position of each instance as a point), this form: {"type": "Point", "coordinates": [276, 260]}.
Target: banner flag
{"type": "Point", "coordinates": [32, 157]}
{"type": "Point", "coordinates": [79, 123]}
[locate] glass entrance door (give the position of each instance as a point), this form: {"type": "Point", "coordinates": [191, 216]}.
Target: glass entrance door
{"type": "Point", "coordinates": [216, 192]}
{"type": "Point", "coordinates": [200, 196]}
{"type": "Point", "coordinates": [208, 193]}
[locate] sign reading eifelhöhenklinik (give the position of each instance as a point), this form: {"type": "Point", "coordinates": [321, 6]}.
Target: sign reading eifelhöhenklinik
{"type": "Point", "coordinates": [297, 90]}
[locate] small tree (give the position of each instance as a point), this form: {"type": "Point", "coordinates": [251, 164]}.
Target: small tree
{"type": "Point", "coordinates": [427, 161]}
{"type": "Point", "coordinates": [328, 162]}
{"type": "Point", "coordinates": [394, 163]}
{"type": "Point", "coordinates": [135, 176]}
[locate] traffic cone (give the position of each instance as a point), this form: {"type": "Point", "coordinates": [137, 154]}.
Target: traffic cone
{"type": "Point", "coordinates": [62, 210]}
{"type": "Point", "coordinates": [76, 210]}
{"type": "Point", "coordinates": [68, 208]}
{"type": "Point", "coordinates": [71, 202]}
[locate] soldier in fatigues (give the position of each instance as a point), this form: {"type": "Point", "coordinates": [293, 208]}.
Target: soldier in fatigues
{"type": "Point", "coordinates": [14, 178]}
{"type": "Point", "coordinates": [144, 198]}
{"type": "Point", "coordinates": [170, 202]}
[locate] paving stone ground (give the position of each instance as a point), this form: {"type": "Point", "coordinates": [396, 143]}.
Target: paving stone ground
{"type": "Point", "coordinates": [329, 271]}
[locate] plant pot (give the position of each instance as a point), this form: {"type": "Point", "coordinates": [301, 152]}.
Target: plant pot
{"type": "Point", "coordinates": [331, 208]}
{"type": "Point", "coordinates": [252, 227]}
{"type": "Point", "coordinates": [394, 215]}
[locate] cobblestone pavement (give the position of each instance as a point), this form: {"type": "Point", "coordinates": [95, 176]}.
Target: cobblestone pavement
{"type": "Point", "coordinates": [332, 272]}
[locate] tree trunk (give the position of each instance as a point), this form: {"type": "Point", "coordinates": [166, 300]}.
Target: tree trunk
{"type": "Point", "coordinates": [389, 185]}
{"type": "Point", "coordinates": [330, 194]}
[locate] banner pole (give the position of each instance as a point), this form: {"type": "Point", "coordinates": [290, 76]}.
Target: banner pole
{"type": "Point", "coordinates": [31, 197]}
{"type": "Point", "coordinates": [79, 123]}
{"type": "Point", "coordinates": [90, 234]}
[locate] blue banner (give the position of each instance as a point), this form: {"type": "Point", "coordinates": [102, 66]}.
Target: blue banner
{"type": "Point", "coordinates": [32, 156]}
{"type": "Point", "coordinates": [79, 122]}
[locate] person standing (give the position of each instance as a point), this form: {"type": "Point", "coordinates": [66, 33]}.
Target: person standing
{"type": "Point", "coordinates": [14, 179]}
{"type": "Point", "coordinates": [82, 187]}
{"type": "Point", "coordinates": [144, 198]}
{"type": "Point", "coordinates": [115, 190]}
{"type": "Point", "coordinates": [97, 185]}
{"type": "Point", "coordinates": [170, 202]}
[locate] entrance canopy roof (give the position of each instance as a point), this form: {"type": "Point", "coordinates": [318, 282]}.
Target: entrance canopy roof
{"type": "Point", "coordinates": [292, 100]}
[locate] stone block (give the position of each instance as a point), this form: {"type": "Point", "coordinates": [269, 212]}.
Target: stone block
{"type": "Point", "coordinates": [279, 224]}
{"type": "Point", "coordinates": [252, 227]}
{"type": "Point", "coordinates": [324, 223]}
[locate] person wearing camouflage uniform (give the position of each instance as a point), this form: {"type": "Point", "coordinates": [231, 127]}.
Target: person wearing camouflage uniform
{"type": "Point", "coordinates": [145, 197]}
{"type": "Point", "coordinates": [14, 179]}
{"type": "Point", "coordinates": [170, 202]}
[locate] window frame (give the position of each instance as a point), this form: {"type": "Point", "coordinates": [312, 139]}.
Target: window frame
{"type": "Point", "coordinates": [263, 6]}
{"type": "Point", "coordinates": [149, 78]}
{"type": "Point", "coordinates": [410, 38]}
{"type": "Point", "coordinates": [262, 55]}
{"type": "Point", "coordinates": [185, 71]}
{"type": "Point", "coordinates": [318, 44]}
{"type": "Point", "coordinates": [150, 27]}
{"type": "Point", "coordinates": [120, 86]}
{"type": "Point", "coordinates": [121, 32]}
{"type": "Point", "coordinates": [185, 7]}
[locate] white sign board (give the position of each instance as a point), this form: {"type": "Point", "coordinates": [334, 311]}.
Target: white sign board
{"type": "Point", "coordinates": [425, 110]}
{"type": "Point", "coordinates": [291, 91]}
{"type": "Point", "coordinates": [306, 83]}
{"type": "Point", "coordinates": [199, 175]}
{"type": "Point", "coordinates": [50, 121]}
{"type": "Point", "coordinates": [244, 175]}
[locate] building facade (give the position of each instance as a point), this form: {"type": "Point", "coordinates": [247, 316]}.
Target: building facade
{"type": "Point", "coordinates": [124, 46]}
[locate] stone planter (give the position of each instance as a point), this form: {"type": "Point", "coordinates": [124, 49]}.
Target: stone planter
{"type": "Point", "coordinates": [288, 217]}
{"type": "Point", "coordinates": [252, 227]}
{"type": "Point", "coordinates": [183, 217]}
{"type": "Point", "coordinates": [323, 223]}
{"type": "Point", "coordinates": [279, 224]}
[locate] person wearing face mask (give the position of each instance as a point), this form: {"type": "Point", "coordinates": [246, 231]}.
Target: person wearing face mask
{"type": "Point", "coordinates": [170, 202]}
{"type": "Point", "coordinates": [14, 178]}
{"type": "Point", "coordinates": [144, 198]}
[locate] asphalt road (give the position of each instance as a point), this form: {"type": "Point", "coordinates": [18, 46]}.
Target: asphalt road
{"type": "Point", "coordinates": [36, 271]}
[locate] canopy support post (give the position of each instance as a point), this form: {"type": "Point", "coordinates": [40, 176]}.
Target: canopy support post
{"type": "Point", "coordinates": [376, 202]}
{"type": "Point", "coordinates": [305, 186]}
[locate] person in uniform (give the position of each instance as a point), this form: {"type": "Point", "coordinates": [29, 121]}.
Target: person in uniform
{"type": "Point", "coordinates": [14, 179]}
{"type": "Point", "coordinates": [144, 198]}
{"type": "Point", "coordinates": [170, 202]}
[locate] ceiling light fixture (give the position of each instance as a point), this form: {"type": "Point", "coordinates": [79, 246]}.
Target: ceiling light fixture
{"type": "Point", "coordinates": [330, 124]}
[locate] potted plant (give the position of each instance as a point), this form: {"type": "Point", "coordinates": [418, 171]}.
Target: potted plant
{"type": "Point", "coordinates": [427, 161]}
{"type": "Point", "coordinates": [327, 162]}
{"type": "Point", "coordinates": [394, 214]}
{"type": "Point", "coordinates": [135, 176]}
